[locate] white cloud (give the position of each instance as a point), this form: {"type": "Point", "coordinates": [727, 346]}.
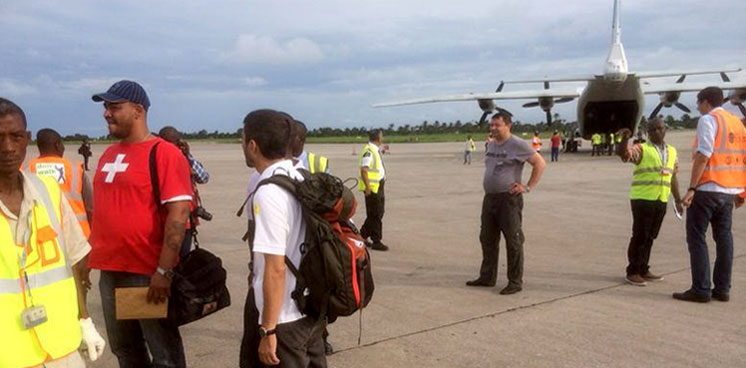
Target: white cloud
{"type": "Point", "coordinates": [251, 48]}
{"type": "Point", "coordinates": [11, 88]}
{"type": "Point", "coordinates": [255, 81]}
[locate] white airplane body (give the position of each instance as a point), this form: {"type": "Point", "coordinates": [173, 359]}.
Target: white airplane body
{"type": "Point", "coordinates": [610, 101]}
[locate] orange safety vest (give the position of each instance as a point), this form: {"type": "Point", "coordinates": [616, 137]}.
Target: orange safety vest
{"type": "Point", "coordinates": [727, 165]}
{"type": "Point", "coordinates": [70, 178]}
{"type": "Point", "coordinates": [536, 143]}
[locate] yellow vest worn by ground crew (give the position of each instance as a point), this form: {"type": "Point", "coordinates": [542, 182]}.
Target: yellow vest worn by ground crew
{"type": "Point", "coordinates": [317, 163]}
{"type": "Point", "coordinates": [374, 171]}
{"type": "Point", "coordinates": [70, 179]}
{"type": "Point", "coordinates": [596, 139]}
{"type": "Point", "coordinates": [48, 282]}
{"type": "Point", "coordinates": [652, 177]}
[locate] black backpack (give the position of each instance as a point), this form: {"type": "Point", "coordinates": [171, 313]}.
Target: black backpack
{"type": "Point", "coordinates": [334, 276]}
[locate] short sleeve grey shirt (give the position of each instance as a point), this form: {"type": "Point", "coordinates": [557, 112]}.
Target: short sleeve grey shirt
{"type": "Point", "coordinates": [504, 164]}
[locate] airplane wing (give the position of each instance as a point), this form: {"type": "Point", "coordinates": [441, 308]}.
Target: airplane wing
{"type": "Point", "coordinates": [659, 74]}
{"type": "Point", "coordinates": [689, 86]}
{"type": "Point", "coordinates": [578, 78]}
{"type": "Point", "coordinates": [513, 95]}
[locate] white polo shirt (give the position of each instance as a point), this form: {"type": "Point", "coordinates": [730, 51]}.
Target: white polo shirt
{"type": "Point", "coordinates": [280, 230]}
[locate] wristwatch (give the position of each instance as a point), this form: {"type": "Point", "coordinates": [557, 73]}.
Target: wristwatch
{"type": "Point", "coordinates": [169, 274]}
{"type": "Point", "coordinates": [263, 332]}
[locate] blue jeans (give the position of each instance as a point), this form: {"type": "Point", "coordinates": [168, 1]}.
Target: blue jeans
{"type": "Point", "coordinates": [716, 209]}
{"type": "Point", "coordinates": [128, 338]}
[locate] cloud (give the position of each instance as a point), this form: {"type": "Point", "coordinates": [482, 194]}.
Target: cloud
{"type": "Point", "coordinates": [255, 81]}
{"type": "Point", "coordinates": [11, 88]}
{"type": "Point", "coordinates": [251, 48]}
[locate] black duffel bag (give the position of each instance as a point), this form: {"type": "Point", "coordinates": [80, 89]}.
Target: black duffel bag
{"type": "Point", "coordinates": [198, 288]}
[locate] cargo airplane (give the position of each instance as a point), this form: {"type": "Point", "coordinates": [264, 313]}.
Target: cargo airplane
{"type": "Point", "coordinates": [609, 101]}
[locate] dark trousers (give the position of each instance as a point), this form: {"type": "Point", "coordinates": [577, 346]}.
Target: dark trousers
{"type": "Point", "coordinates": [716, 209]}
{"type": "Point", "coordinates": [375, 204]}
{"type": "Point", "coordinates": [467, 157]}
{"type": "Point", "coordinates": [85, 162]}
{"type": "Point", "coordinates": [134, 341]}
{"type": "Point", "coordinates": [647, 217]}
{"type": "Point", "coordinates": [502, 212]}
{"type": "Point", "coordinates": [555, 153]}
{"type": "Point", "coordinates": [299, 343]}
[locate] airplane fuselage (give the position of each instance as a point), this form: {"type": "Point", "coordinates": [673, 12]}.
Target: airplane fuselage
{"type": "Point", "coordinates": [605, 106]}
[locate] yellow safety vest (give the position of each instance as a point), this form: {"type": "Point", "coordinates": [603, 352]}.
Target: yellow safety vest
{"type": "Point", "coordinates": [374, 171]}
{"type": "Point", "coordinates": [596, 139]}
{"type": "Point", "coordinates": [652, 177]}
{"type": "Point", "coordinates": [315, 165]}
{"type": "Point", "coordinates": [48, 282]}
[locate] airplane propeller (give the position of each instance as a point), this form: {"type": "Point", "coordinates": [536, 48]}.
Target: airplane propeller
{"type": "Point", "coordinates": [546, 104]}
{"type": "Point", "coordinates": [488, 106]}
{"type": "Point", "coordinates": [669, 99]}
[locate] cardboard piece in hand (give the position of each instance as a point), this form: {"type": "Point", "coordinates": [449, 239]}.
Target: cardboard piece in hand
{"type": "Point", "coordinates": [132, 303]}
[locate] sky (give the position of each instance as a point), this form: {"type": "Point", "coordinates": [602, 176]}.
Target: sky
{"type": "Point", "coordinates": [206, 64]}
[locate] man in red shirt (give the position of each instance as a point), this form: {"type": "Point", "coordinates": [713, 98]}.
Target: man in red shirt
{"type": "Point", "coordinates": [556, 140]}
{"type": "Point", "coordinates": [138, 226]}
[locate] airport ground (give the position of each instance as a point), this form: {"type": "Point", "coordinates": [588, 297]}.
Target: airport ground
{"type": "Point", "coordinates": [575, 309]}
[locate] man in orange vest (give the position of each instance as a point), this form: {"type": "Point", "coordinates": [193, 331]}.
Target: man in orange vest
{"type": "Point", "coordinates": [718, 178]}
{"type": "Point", "coordinates": [71, 176]}
{"type": "Point", "coordinates": [536, 142]}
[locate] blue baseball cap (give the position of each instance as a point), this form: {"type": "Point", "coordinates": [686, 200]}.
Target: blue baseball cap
{"type": "Point", "coordinates": [124, 90]}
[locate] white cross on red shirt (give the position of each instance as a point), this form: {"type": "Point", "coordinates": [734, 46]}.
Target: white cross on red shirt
{"type": "Point", "coordinates": [112, 168]}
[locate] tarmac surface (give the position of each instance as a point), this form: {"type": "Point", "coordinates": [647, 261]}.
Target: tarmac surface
{"type": "Point", "coordinates": [574, 311]}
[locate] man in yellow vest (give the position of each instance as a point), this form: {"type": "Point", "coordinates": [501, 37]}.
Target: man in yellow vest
{"type": "Point", "coordinates": [596, 144]}
{"type": "Point", "coordinates": [72, 178]}
{"type": "Point", "coordinates": [310, 161]}
{"type": "Point", "coordinates": [656, 166]}
{"type": "Point", "coordinates": [470, 148]}
{"type": "Point", "coordinates": [718, 177]}
{"type": "Point", "coordinates": [43, 282]}
{"type": "Point", "coordinates": [372, 179]}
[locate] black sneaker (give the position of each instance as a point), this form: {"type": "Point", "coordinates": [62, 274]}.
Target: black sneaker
{"type": "Point", "coordinates": [510, 289]}
{"type": "Point", "coordinates": [691, 296]}
{"type": "Point", "coordinates": [480, 282]}
{"type": "Point", "coordinates": [379, 246]}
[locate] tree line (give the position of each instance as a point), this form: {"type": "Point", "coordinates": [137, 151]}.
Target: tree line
{"type": "Point", "coordinates": [430, 128]}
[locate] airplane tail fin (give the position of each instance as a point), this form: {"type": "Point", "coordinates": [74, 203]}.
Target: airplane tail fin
{"type": "Point", "coordinates": [616, 26]}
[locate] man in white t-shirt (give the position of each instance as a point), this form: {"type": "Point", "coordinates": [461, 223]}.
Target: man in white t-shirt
{"type": "Point", "coordinates": [276, 333]}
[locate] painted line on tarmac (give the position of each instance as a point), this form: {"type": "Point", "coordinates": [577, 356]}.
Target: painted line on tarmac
{"type": "Point", "coordinates": [513, 309]}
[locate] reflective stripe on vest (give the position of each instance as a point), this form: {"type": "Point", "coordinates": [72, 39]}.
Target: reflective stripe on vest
{"type": "Point", "coordinates": [50, 284]}
{"type": "Point", "coordinates": [374, 171]}
{"type": "Point", "coordinates": [727, 164]}
{"type": "Point", "coordinates": [72, 184]}
{"type": "Point", "coordinates": [315, 165]}
{"type": "Point", "coordinates": [652, 176]}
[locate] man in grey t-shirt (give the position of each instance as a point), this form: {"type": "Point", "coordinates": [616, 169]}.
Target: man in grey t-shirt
{"type": "Point", "coordinates": [503, 202]}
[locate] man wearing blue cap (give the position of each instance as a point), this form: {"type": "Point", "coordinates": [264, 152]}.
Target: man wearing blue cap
{"type": "Point", "coordinates": [138, 226]}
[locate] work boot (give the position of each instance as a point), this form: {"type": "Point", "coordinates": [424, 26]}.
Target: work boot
{"type": "Point", "coordinates": [328, 348]}
{"type": "Point", "coordinates": [651, 277]}
{"type": "Point", "coordinates": [480, 282]}
{"type": "Point", "coordinates": [510, 289]}
{"type": "Point", "coordinates": [379, 246]}
{"type": "Point", "coordinates": [636, 280]}
{"type": "Point", "coordinates": [723, 297]}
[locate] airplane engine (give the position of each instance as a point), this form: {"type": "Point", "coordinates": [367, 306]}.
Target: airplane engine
{"type": "Point", "coordinates": [737, 96]}
{"type": "Point", "coordinates": [669, 99]}
{"type": "Point", "coordinates": [487, 107]}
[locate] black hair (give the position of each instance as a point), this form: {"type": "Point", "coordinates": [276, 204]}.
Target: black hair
{"type": "Point", "coordinates": [713, 96]}
{"type": "Point", "coordinates": [373, 134]}
{"type": "Point", "coordinates": [300, 130]}
{"type": "Point", "coordinates": [168, 133]}
{"type": "Point", "coordinates": [506, 116]}
{"type": "Point", "coordinates": [46, 139]}
{"type": "Point", "coordinates": [7, 107]}
{"type": "Point", "coordinates": [271, 130]}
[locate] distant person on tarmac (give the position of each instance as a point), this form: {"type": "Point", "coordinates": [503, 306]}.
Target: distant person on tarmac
{"type": "Point", "coordinates": [536, 142]}
{"type": "Point", "coordinates": [502, 208]}
{"type": "Point", "coordinates": [85, 151]}
{"type": "Point", "coordinates": [596, 144]}
{"type": "Point", "coordinates": [556, 141]}
{"type": "Point", "coordinates": [654, 179]}
{"type": "Point", "coordinates": [310, 161]}
{"type": "Point", "coordinates": [372, 180]}
{"type": "Point", "coordinates": [470, 148]}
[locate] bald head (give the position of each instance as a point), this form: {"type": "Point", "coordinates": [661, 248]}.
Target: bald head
{"type": "Point", "coordinates": [50, 143]}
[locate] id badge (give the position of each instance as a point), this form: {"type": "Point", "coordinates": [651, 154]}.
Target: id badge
{"type": "Point", "coordinates": [665, 172]}
{"type": "Point", "coordinates": [33, 316]}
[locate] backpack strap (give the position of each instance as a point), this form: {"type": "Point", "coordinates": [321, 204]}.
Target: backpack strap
{"type": "Point", "coordinates": [154, 175]}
